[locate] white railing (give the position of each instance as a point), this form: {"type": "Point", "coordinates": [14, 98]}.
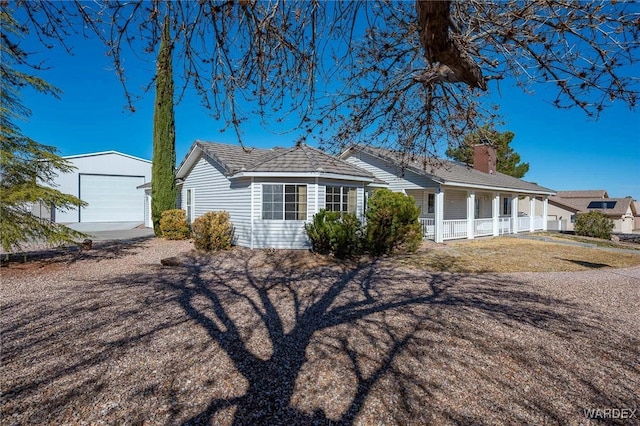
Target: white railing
{"type": "Point", "coordinates": [453, 229]}
{"type": "Point", "coordinates": [538, 222]}
{"type": "Point", "coordinates": [482, 227]}
{"type": "Point", "coordinates": [428, 228]}
{"type": "Point", "coordinates": [456, 229]}
{"type": "Point", "coordinates": [524, 223]}
{"type": "Point", "coordinates": [504, 225]}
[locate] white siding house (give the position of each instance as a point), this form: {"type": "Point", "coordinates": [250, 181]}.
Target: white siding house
{"type": "Point", "coordinates": [108, 182]}
{"type": "Point", "coordinates": [269, 194]}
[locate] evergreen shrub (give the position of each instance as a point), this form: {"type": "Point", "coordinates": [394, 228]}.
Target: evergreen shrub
{"type": "Point", "coordinates": [335, 233]}
{"type": "Point", "coordinates": [174, 225]}
{"type": "Point", "coordinates": [212, 231]}
{"type": "Point", "coordinates": [594, 224]}
{"type": "Point", "coordinates": [392, 223]}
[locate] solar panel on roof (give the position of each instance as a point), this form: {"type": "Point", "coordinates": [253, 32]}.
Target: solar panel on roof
{"type": "Point", "coordinates": [601, 205]}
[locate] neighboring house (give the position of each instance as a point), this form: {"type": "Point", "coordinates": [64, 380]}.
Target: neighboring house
{"type": "Point", "coordinates": [567, 205]}
{"type": "Point", "coordinates": [108, 182]}
{"type": "Point", "coordinates": [636, 221]}
{"type": "Point", "coordinates": [269, 193]}
{"type": "Point", "coordinates": [458, 201]}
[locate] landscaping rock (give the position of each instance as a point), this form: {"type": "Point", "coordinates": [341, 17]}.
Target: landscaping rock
{"type": "Point", "coordinates": [86, 244]}
{"type": "Point", "coordinates": [171, 261]}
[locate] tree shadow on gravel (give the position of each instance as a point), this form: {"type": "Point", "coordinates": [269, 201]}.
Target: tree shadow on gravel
{"type": "Point", "coordinates": [283, 344]}
{"type": "Point", "coordinates": [102, 250]}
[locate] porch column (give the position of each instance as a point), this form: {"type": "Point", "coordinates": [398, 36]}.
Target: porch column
{"type": "Point", "coordinates": [514, 213]}
{"type": "Point", "coordinates": [532, 213]}
{"type": "Point", "coordinates": [545, 212]}
{"type": "Point", "coordinates": [439, 215]}
{"type": "Point", "coordinates": [471, 212]}
{"type": "Point", "coordinates": [495, 214]}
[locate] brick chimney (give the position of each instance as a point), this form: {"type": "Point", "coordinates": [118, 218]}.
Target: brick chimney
{"type": "Point", "coordinates": [484, 158]}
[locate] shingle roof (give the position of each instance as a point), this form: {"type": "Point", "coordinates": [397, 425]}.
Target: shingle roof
{"type": "Point", "coordinates": [305, 159]}
{"type": "Point", "coordinates": [448, 172]}
{"type": "Point", "coordinates": [299, 159]}
{"type": "Point", "coordinates": [581, 205]}
{"type": "Point", "coordinates": [589, 193]}
{"type": "Point", "coordinates": [233, 158]}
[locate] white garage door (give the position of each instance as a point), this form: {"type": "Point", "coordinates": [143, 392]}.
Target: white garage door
{"type": "Point", "coordinates": [112, 198]}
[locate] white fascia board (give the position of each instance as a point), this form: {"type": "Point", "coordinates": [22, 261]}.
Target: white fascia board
{"type": "Point", "coordinates": [188, 162]}
{"type": "Point", "coordinates": [497, 188]}
{"type": "Point", "coordinates": [301, 174]}
{"type": "Point", "coordinates": [94, 154]}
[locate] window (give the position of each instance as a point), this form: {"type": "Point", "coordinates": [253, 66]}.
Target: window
{"type": "Point", "coordinates": [506, 206]}
{"type": "Point", "coordinates": [189, 205]}
{"type": "Point", "coordinates": [477, 208]}
{"type": "Point", "coordinates": [431, 203]}
{"type": "Point", "coordinates": [288, 202]}
{"type": "Point", "coordinates": [340, 199]}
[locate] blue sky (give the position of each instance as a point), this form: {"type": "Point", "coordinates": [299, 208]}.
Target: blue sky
{"type": "Point", "coordinates": [565, 149]}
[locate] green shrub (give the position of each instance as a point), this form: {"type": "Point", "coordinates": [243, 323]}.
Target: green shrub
{"type": "Point", "coordinates": [594, 224]}
{"type": "Point", "coordinates": [336, 233]}
{"type": "Point", "coordinates": [174, 225]}
{"type": "Point", "coordinates": [392, 223]}
{"type": "Point", "coordinates": [212, 231]}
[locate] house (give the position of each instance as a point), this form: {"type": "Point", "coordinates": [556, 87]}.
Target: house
{"type": "Point", "coordinates": [269, 193]}
{"type": "Point", "coordinates": [107, 182]}
{"type": "Point", "coordinates": [567, 205]}
{"type": "Point", "coordinates": [458, 201]}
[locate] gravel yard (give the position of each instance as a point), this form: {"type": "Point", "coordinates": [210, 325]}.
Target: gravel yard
{"type": "Point", "coordinates": [109, 336]}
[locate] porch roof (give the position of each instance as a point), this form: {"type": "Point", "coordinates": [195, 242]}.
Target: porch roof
{"type": "Point", "coordinates": [447, 172]}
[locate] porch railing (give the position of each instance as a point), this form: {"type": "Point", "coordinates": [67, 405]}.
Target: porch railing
{"type": "Point", "coordinates": [504, 225]}
{"type": "Point", "coordinates": [482, 227]}
{"type": "Point", "coordinates": [538, 222]}
{"type": "Point", "coordinates": [456, 229]}
{"type": "Point", "coordinates": [524, 223]}
{"type": "Point", "coordinates": [428, 228]}
{"type": "Point", "coordinates": [453, 229]}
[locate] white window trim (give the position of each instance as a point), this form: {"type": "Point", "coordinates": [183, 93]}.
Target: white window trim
{"type": "Point", "coordinates": [342, 187]}
{"type": "Point", "coordinates": [192, 213]}
{"type": "Point", "coordinates": [283, 202]}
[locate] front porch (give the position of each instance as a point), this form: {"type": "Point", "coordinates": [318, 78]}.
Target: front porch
{"type": "Point", "coordinates": [454, 229]}
{"type": "Point", "coordinates": [459, 214]}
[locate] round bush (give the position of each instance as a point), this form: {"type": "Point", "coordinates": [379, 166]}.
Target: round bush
{"type": "Point", "coordinates": [174, 225]}
{"type": "Point", "coordinates": [212, 231]}
{"type": "Point", "coordinates": [594, 224]}
{"type": "Point", "coordinates": [392, 223]}
{"type": "Point", "coordinates": [336, 233]}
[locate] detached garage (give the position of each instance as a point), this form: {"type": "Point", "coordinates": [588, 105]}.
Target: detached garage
{"type": "Point", "coordinates": [108, 182]}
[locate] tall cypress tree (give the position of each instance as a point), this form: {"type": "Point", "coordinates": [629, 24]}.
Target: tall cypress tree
{"type": "Point", "coordinates": [163, 187]}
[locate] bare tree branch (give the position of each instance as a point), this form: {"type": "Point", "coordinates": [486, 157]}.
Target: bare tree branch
{"type": "Point", "coordinates": [398, 74]}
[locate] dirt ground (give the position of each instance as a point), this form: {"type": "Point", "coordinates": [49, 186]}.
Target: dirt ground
{"type": "Point", "coordinates": [282, 337]}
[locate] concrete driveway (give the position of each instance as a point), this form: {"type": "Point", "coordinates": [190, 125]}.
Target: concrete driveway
{"type": "Point", "coordinates": [104, 231]}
